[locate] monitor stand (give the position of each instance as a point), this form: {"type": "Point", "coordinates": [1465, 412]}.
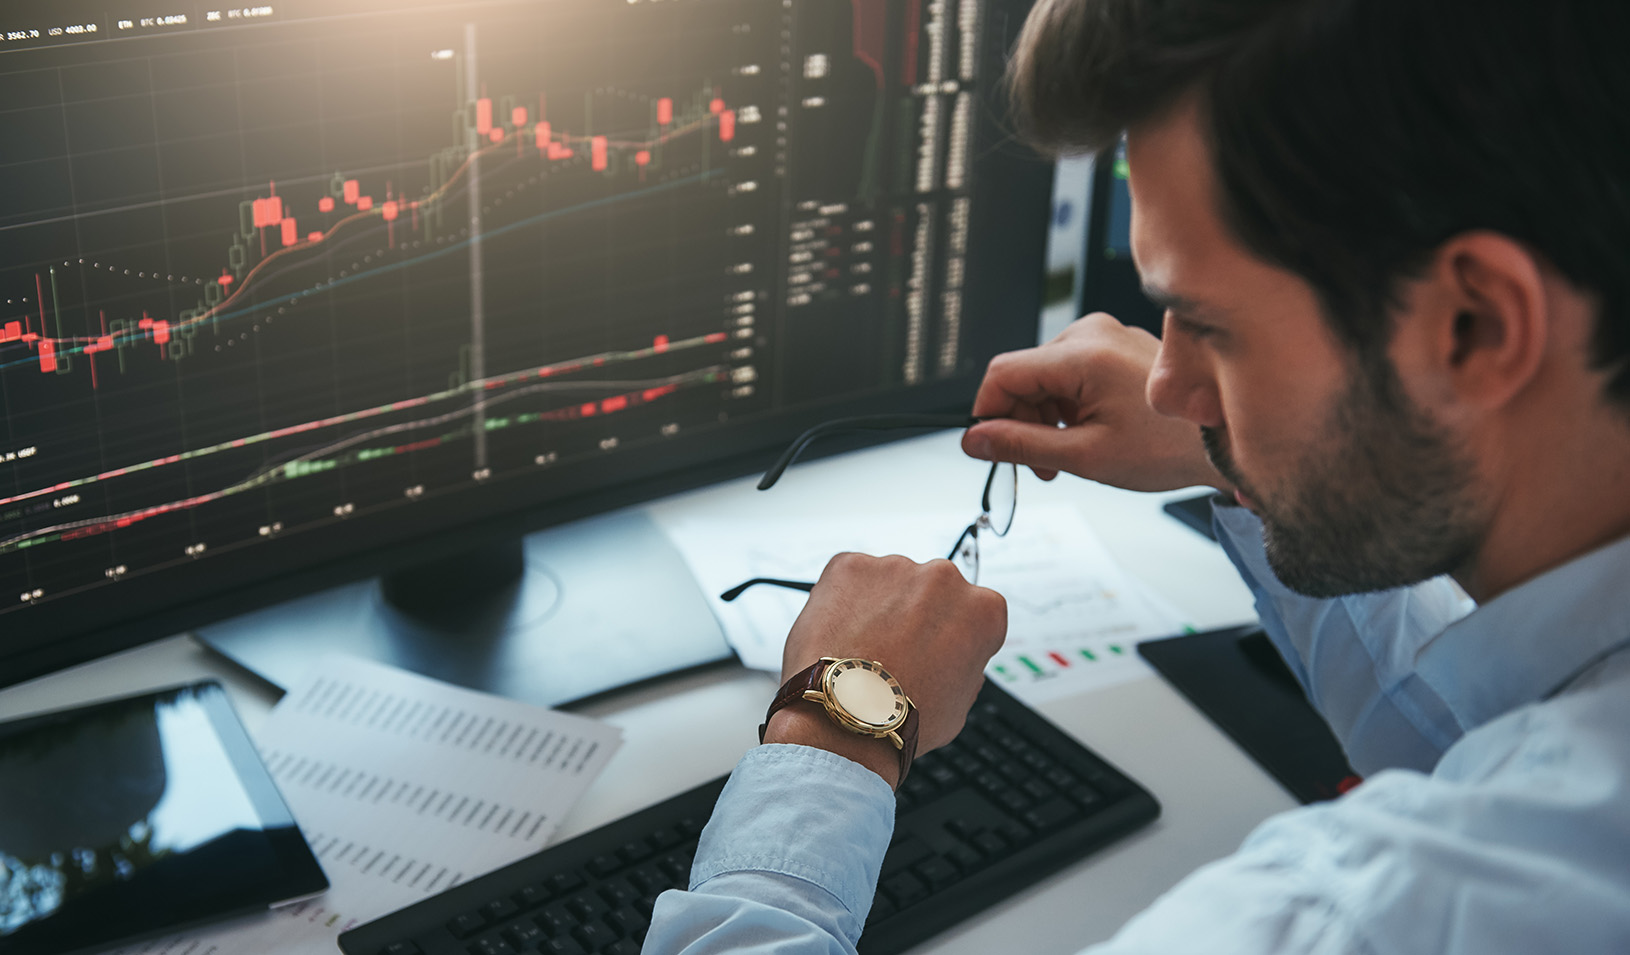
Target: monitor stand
{"type": "Point", "coordinates": [557, 616]}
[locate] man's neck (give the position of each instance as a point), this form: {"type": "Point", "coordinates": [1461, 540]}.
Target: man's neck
{"type": "Point", "coordinates": [1564, 496]}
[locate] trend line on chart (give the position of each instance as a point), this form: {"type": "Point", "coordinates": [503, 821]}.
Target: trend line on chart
{"type": "Point", "coordinates": [660, 346]}
{"type": "Point", "coordinates": [641, 392]}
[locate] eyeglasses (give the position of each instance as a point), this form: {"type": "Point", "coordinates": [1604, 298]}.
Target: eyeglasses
{"type": "Point", "coordinates": [996, 504]}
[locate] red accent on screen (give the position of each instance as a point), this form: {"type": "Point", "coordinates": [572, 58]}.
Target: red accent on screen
{"type": "Point", "coordinates": [517, 117]}
{"type": "Point", "coordinates": [258, 211]}
{"type": "Point", "coordinates": [161, 332]}
{"type": "Point", "coordinates": [225, 279]}
{"type": "Point", "coordinates": [365, 203]}
{"type": "Point", "coordinates": [291, 234]}
{"type": "Point", "coordinates": [597, 153]}
{"type": "Point", "coordinates": [715, 338]}
{"type": "Point", "coordinates": [496, 134]}
{"type": "Point", "coordinates": [351, 191]}
{"type": "Point", "coordinates": [652, 394]}
{"type": "Point", "coordinates": [542, 132]}
{"type": "Point", "coordinates": [14, 331]}
{"type": "Point", "coordinates": [727, 126]}
{"type": "Point", "coordinates": [870, 34]}
{"type": "Point", "coordinates": [660, 344]}
{"type": "Point", "coordinates": [1059, 658]}
{"type": "Point", "coordinates": [614, 404]}
{"type": "Point", "coordinates": [389, 210]}
{"type": "Point", "coordinates": [48, 355]}
{"type": "Point", "coordinates": [483, 115]}
{"type": "Point", "coordinates": [314, 237]}
{"type": "Point", "coordinates": [716, 106]}
{"type": "Point", "coordinates": [665, 111]}
{"type": "Point", "coordinates": [642, 158]}
{"type": "Point", "coordinates": [274, 209]}
{"type": "Point", "coordinates": [587, 410]}
{"type": "Point", "coordinates": [325, 204]}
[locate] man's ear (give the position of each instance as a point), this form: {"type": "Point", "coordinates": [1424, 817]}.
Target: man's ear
{"type": "Point", "coordinates": [1491, 326]}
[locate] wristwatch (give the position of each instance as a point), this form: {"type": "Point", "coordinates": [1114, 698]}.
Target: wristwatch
{"type": "Point", "coordinates": [860, 696]}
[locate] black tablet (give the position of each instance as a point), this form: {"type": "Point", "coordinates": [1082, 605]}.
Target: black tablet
{"type": "Point", "coordinates": [135, 817]}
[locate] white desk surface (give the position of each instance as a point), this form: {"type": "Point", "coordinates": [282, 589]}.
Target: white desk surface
{"type": "Point", "coordinates": [1211, 793]}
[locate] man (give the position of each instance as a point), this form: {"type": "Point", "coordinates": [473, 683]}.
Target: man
{"type": "Point", "coordinates": [1389, 236]}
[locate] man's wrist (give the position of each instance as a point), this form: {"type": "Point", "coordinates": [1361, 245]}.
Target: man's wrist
{"type": "Point", "coordinates": [808, 725]}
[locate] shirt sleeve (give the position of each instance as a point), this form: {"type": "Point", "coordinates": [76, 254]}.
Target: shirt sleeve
{"type": "Point", "coordinates": [1354, 656]}
{"type": "Point", "coordinates": [788, 862]}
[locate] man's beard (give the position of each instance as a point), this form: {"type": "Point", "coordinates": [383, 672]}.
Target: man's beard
{"type": "Point", "coordinates": [1383, 501]}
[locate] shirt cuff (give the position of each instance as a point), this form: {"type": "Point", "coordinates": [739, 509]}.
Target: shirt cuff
{"type": "Point", "coordinates": [801, 812]}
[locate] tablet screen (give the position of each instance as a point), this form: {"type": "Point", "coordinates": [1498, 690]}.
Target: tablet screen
{"type": "Point", "coordinates": [135, 817]}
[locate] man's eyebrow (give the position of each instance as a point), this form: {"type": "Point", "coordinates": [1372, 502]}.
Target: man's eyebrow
{"type": "Point", "coordinates": [1167, 299]}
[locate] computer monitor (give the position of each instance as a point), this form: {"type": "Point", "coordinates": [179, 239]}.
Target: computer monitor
{"type": "Point", "coordinates": [305, 290]}
{"type": "Point", "coordinates": [1110, 280]}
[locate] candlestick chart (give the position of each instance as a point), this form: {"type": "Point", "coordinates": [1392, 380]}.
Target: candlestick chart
{"type": "Point", "coordinates": [340, 263]}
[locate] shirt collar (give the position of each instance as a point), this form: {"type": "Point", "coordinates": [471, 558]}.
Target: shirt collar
{"type": "Point", "coordinates": [1532, 640]}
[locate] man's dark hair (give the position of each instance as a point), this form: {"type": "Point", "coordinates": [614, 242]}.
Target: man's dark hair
{"type": "Point", "coordinates": [1351, 138]}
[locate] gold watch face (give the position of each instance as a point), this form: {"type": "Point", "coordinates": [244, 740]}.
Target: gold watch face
{"type": "Point", "coordinates": [864, 696]}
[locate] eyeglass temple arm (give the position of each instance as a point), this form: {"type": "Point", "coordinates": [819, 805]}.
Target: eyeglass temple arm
{"type": "Point", "coordinates": [881, 422]}
{"type": "Point", "coordinates": [736, 591]}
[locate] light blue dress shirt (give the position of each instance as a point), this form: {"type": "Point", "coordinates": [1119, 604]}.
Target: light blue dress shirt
{"type": "Point", "coordinates": [1495, 817]}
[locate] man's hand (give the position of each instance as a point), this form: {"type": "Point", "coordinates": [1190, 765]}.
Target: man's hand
{"type": "Point", "coordinates": [927, 625]}
{"type": "Point", "coordinates": [1077, 404]}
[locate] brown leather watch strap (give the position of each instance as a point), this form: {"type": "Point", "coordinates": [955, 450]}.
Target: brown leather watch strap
{"type": "Point", "coordinates": [809, 678]}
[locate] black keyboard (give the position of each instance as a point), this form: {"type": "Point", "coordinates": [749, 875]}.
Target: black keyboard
{"type": "Point", "coordinates": [1010, 801]}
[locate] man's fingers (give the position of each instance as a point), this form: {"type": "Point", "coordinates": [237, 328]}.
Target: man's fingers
{"type": "Point", "coordinates": [1042, 447]}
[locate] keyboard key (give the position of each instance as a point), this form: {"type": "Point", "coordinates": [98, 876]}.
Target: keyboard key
{"type": "Point", "coordinates": [1036, 789]}
{"type": "Point", "coordinates": [466, 925]}
{"type": "Point", "coordinates": [628, 922]}
{"type": "Point", "coordinates": [904, 853]}
{"type": "Point", "coordinates": [677, 865]}
{"type": "Point", "coordinates": [401, 948]}
{"type": "Point", "coordinates": [1062, 778]}
{"type": "Point", "coordinates": [691, 827]}
{"type": "Point", "coordinates": [556, 921]}
{"type": "Point", "coordinates": [633, 852]}
{"type": "Point", "coordinates": [965, 857]}
{"type": "Point", "coordinates": [562, 882]}
{"type": "Point", "coordinates": [586, 907]}
{"type": "Point", "coordinates": [667, 837]}
{"type": "Point", "coordinates": [649, 880]}
{"type": "Point", "coordinates": [525, 936]}
{"type": "Point", "coordinates": [491, 946]}
{"type": "Point", "coordinates": [904, 889]}
{"type": "Point", "coordinates": [532, 896]}
{"type": "Point", "coordinates": [937, 872]}
{"type": "Point", "coordinates": [623, 946]}
{"type": "Point", "coordinates": [604, 865]}
{"type": "Point", "coordinates": [1012, 800]}
{"type": "Point", "coordinates": [1051, 814]}
{"type": "Point", "coordinates": [1085, 796]}
{"type": "Point", "coordinates": [499, 910]}
{"type": "Point", "coordinates": [617, 893]}
{"type": "Point", "coordinates": [991, 843]}
{"type": "Point", "coordinates": [593, 936]}
{"type": "Point", "coordinates": [565, 945]}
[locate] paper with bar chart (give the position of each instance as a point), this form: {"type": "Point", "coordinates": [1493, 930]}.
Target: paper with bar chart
{"type": "Point", "coordinates": [405, 786]}
{"type": "Point", "coordinates": [287, 275]}
{"type": "Point", "coordinates": [1074, 616]}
